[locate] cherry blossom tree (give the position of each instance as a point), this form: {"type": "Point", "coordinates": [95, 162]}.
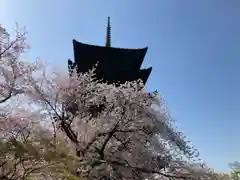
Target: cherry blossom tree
{"type": "Point", "coordinates": [28, 149]}
{"type": "Point", "coordinates": [120, 131]}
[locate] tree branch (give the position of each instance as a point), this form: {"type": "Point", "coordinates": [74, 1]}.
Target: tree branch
{"type": "Point", "coordinates": [148, 171]}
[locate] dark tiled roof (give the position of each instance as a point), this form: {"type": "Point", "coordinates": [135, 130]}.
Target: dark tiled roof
{"type": "Point", "coordinates": [114, 64]}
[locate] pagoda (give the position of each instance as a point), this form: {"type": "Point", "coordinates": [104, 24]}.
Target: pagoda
{"type": "Point", "coordinates": [114, 65]}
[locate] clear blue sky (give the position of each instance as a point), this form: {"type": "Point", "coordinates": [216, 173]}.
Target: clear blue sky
{"type": "Point", "coordinates": [194, 48]}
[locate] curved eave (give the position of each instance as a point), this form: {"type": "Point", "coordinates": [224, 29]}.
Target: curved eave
{"type": "Point", "coordinates": [144, 74]}
{"type": "Point", "coordinates": [76, 43]}
{"type": "Point", "coordinates": [126, 57]}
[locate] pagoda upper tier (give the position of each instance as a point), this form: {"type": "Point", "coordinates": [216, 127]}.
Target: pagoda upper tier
{"type": "Point", "coordinates": [114, 65]}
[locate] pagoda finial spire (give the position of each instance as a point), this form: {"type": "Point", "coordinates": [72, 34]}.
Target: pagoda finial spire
{"type": "Point", "coordinates": [108, 38]}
